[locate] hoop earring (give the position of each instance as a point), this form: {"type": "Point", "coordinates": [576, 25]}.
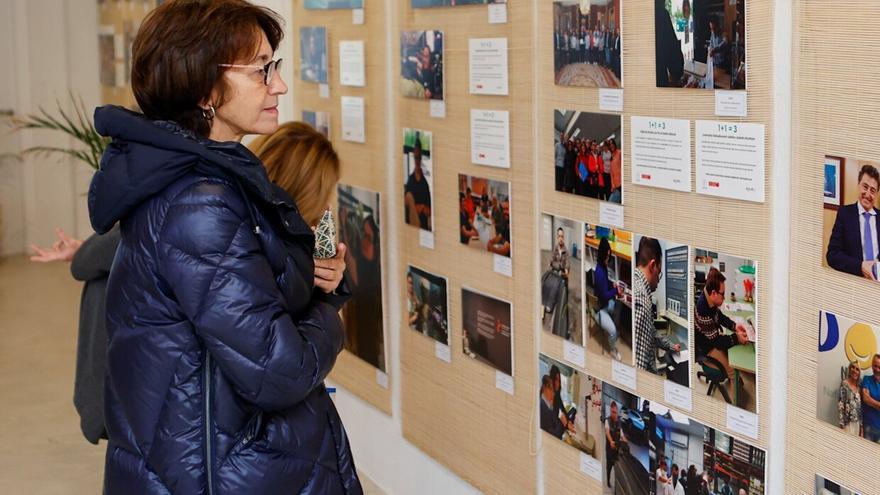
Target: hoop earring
{"type": "Point", "coordinates": [209, 113]}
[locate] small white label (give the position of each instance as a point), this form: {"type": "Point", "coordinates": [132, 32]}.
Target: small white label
{"type": "Point", "coordinates": [357, 16]}
{"type": "Point", "coordinates": [442, 352]}
{"type": "Point", "coordinates": [623, 374]}
{"type": "Point", "coordinates": [503, 265]}
{"type": "Point", "coordinates": [611, 100]}
{"type": "Point", "coordinates": [438, 109]}
{"type": "Point", "coordinates": [678, 396]}
{"type": "Point", "coordinates": [611, 214]}
{"type": "Point", "coordinates": [742, 421]}
{"type": "Point", "coordinates": [382, 379]}
{"type": "Point", "coordinates": [504, 382]}
{"type": "Point", "coordinates": [324, 90]}
{"type": "Point", "coordinates": [730, 103]}
{"type": "Point", "coordinates": [573, 353]}
{"type": "Point", "coordinates": [591, 467]}
{"type": "Point", "coordinates": [426, 239]}
{"type": "Point", "coordinates": [498, 13]}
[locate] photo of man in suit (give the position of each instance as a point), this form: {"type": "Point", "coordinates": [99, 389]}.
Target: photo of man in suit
{"type": "Point", "coordinates": [854, 245]}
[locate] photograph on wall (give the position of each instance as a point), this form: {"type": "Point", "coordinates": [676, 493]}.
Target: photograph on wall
{"type": "Point", "coordinates": [725, 327]}
{"type": "Point", "coordinates": [422, 4]}
{"type": "Point", "coordinates": [333, 4]}
{"type": "Point", "coordinates": [848, 375]}
{"type": "Point", "coordinates": [487, 330]}
{"type": "Point", "coordinates": [484, 214]}
{"type": "Point", "coordinates": [129, 30]}
{"type": "Point", "coordinates": [427, 304]}
{"type": "Point", "coordinates": [588, 152]}
{"type": "Point", "coordinates": [418, 179]}
{"type": "Point", "coordinates": [825, 486]}
{"type": "Point", "coordinates": [561, 267]}
{"type": "Point", "coordinates": [731, 465]}
{"type": "Point", "coordinates": [850, 199]}
{"type": "Point", "coordinates": [700, 44]}
{"type": "Point", "coordinates": [107, 56]}
{"type": "Point", "coordinates": [661, 308]}
{"type": "Point", "coordinates": [571, 406]}
{"type": "Point", "coordinates": [587, 43]}
{"type": "Point", "coordinates": [421, 64]}
{"type": "Point", "coordinates": [358, 223]}
{"type": "Point", "coordinates": [626, 452]}
{"type": "Point", "coordinates": [313, 54]}
{"type": "Point", "coordinates": [319, 120]}
{"type": "Point", "coordinates": [608, 296]}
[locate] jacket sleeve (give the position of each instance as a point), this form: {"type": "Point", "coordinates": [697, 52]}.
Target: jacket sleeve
{"type": "Point", "coordinates": [95, 257]}
{"type": "Point", "coordinates": [836, 256]}
{"type": "Point", "coordinates": [215, 267]}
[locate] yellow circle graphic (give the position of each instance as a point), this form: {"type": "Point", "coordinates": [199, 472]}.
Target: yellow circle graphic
{"type": "Point", "coordinates": [861, 344]}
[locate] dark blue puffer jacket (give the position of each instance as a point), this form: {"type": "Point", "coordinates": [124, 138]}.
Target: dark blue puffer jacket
{"type": "Point", "coordinates": [218, 342]}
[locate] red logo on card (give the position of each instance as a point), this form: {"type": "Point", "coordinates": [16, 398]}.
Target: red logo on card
{"type": "Point", "coordinates": [714, 184]}
{"type": "Point", "coordinates": [646, 176]}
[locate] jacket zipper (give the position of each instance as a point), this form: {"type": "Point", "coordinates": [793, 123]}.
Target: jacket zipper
{"type": "Point", "coordinates": [209, 454]}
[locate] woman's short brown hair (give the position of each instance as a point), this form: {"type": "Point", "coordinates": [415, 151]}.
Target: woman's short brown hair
{"type": "Point", "coordinates": [301, 161]}
{"type": "Point", "coordinates": [177, 50]}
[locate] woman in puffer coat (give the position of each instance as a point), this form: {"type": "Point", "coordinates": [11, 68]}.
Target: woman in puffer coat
{"type": "Point", "coordinates": [221, 326]}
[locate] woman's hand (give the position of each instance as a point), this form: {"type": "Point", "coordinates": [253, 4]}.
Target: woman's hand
{"type": "Point", "coordinates": [62, 249]}
{"type": "Point", "coordinates": [328, 272]}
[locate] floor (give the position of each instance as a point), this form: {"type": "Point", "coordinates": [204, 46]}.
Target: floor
{"type": "Point", "coordinates": [43, 451]}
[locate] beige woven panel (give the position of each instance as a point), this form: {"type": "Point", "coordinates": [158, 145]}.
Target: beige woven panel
{"type": "Point", "coordinates": [124, 17]}
{"type": "Point", "coordinates": [453, 411]}
{"type": "Point", "coordinates": [363, 164]}
{"type": "Point", "coordinates": [729, 226]}
{"type": "Point", "coordinates": [836, 104]}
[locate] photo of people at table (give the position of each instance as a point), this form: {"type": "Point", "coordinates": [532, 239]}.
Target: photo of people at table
{"type": "Point", "coordinates": [825, 486]}
{"type": "Point", "coordinates": [487, 330]}
{"type": "Point", "coordinates": [418, 179]}
{"type": "Point", "coordinates": [561, 260]}
{"type": "Point", "coordinates": [362, 314]}
{"type": "Point", "coordinates": [725, 327]}
{"type": "Point", "coordinates": [626, 443]}
{"type": "Point", "coordinates": [484, 214]}
{"type": "Point", "coordinates": [660, 308]}
{"type": "Point", "coordinates": [851, 237]}
{"type": "Point", "coordinates": [313, 54]}
{"type": "Point", "coordinates": [587, 43]}
{"type": "Point", "coordinates": [570, 404]}
{"type": "Point", "coordinates": [608, 297]}
{"type": "Point", "coordinates": [700, 44]}
{"type": "Point", "coordinates": [588, 154]}
{"type": "Point", "coordinates": [421, 64]}
{"type": "Point", "coordinates": [427, 304]}
{"type": "Point", "coordinates": [848, 375]}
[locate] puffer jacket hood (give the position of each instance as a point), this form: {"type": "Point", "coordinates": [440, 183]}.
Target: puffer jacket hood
{"type": "Point", "coordinates": [218, 342]}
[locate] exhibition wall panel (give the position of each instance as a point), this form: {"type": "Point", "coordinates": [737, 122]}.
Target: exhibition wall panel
{"type": "Point", "coordinates": [453, 410]}
{"type": "Point", "coordinates": [363, 166]}
{"type": "Point", "coordinates": [834, 135]}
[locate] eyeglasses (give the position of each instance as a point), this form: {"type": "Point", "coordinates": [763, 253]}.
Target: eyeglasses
{"type": "Point", "coordinates": [268, 70]}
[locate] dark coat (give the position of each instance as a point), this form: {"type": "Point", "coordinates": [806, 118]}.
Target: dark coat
{"type": "Point", "coordinates": [91, 264]}
{"type": "Point", "coordinates": [845, 245]}
{"type": "Point", "coordinates": [218, 343]}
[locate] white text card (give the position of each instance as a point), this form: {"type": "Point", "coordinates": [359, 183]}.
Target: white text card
{"type": "Point", "coordinates": [623, 374]}
{"type": "Point", "coordinates": [573, 353]}
{"type": "Point", "coordinates": [426, 239]}
{"type": "Point", "coordinates": [357, 16]}
{"type": "Point", "coordinates": [351, 63]}
{"type": "Point", "coordinates": [611, 214]}
{"type": "Point", "coordinates": [678, 396]}
{"type": "Point", "coordinates": [382, 379]}
{"type": "Point", "coordinates": [442, 352]}
{"type": "Point", "coordinates": [324, 90]}
{"type": "Point", "coordinates": [488, 66]}
{"type": "Point", "coordinates": [502, 265]}
{"type": "Point", "coordinates": [438, 109]}
{"type": "Point", "coordinates": [498, 13]}
{"type": "Point", "coordinates": [591, 467]}
{"type": "Point", "coordinates": [742, 421]}
{"type": "Point", "coordinates": [730, 103]}
{"type": "Point", "coordinates": [353, 119]}
{"type": "Point", "coordinates": [730, 160]}
{"type": "Point", "coordinates": [504, 382]}
{"type": "Point", "coordinates": [661, 153]}
{"type": "Point", "coordinates": [490, 138]}
{"type": "Point", "coordinates": [611, 100]}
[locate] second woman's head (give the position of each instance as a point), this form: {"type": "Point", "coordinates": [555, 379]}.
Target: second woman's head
{"type": "Point", "coordinates": [208, 65]}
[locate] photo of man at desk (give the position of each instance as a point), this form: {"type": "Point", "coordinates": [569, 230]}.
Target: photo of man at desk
{"type": "Point", "coordinates": [570, 404]}
{"type": "Point", "coordinates": [852, 237]}
{"type": "Point", "coordinates": [660, 302]}
{"type": "Point", "coordinates": [561, 260]}
{"type": "Point", "coordinates": [608, 298]}
{"type": "Point", "coordinates": [725, 327]}
{"type": "Point", "coordinates": [700, 44]}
